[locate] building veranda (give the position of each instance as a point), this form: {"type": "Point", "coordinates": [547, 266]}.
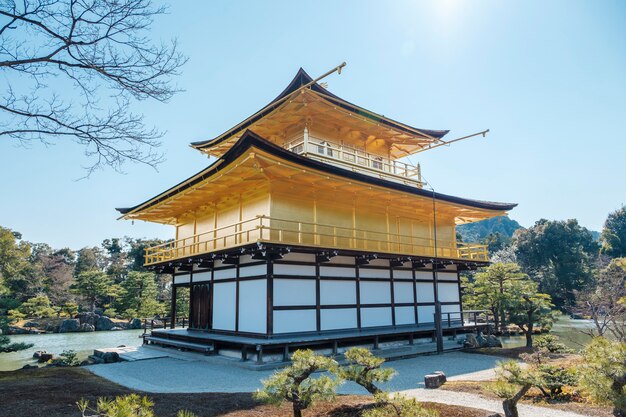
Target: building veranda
{"type": "Point", "coordinates": [310, 228]}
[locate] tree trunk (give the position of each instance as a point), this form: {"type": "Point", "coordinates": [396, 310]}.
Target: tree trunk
{"type": "Point", "coordinates": [618, 388]}
{"type": "Point", "coordinates": [510, 404]}
{"type": "Point", "coordinates": [297, 412]}
{"type": "Point", "coordinates": [529, 331]}
{"type": "Point", "coordinates": [510, 408]}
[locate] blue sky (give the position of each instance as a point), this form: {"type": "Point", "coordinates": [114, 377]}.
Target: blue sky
{"type": "Point", "coordinates": [548, 79]}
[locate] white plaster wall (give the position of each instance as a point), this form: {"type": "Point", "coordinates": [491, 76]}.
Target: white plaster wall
{"type": "Point", "coordinates": [224, 299]}
{"type": "Point", "coordinates": [334, 271]}
{"type": "Point", "coordinates": [225, 273]}
{"type": "Point", "coordinates": [300, 270]}
{"type": "Point", "coordinates": [245, 259]}
{"type": "Point", "coordinates": [253, 270]}
{"type": "Point", "coordinates": [403, 292]}
{"type": "Point", "coordinates": [294, 292]}
{"type": "Point", "coordinates": [252, 306]}
{"type": "Point", "coordinates": [181, 279]}
{"type": "Point", "coordinates": [447, 276]}
{"type": "Point", "coordinates": [373, 273]}
{"type": "Point", "coordinates": [337, 292]}
{"type": "Point", "coordinates": [424, 275]}
{"type": "Point", "coordinates": [299, 257]}
{"type": "Point", "coordinates": [201, 276]}
{"type": "Point", "coordinates": [403, 274]}
{"type": "Point", "coordinates": [455, 309]}
{"type": "Point", "coordinates": [373, 292]}
{"type": "Point", "coordinates": [379, 262]}
{"type": "Point", "coordinates": [376, 316]}
{"type": "Point", "coordinates": [425, 292]}
{"type": "Point", "coordinates": [291, 321]}
{"type": "Point", "coordinates": [338, 318]}
{"type": "Point", "coordinates": [405, 315]}
{"type": "Point", "coordinates": [347, 260]}
{"type": "Point", "coordinates": [448, 292]}
{"type": "Point", "coordinates": [426, 314]}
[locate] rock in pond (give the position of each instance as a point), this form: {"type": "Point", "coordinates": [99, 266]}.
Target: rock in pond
{"type": "Point", "coordinates": [69, 325]}
{"type": "Point", "coordinates": [86, 327]}
{"type": "Point", "coordinates": [135, 324]}
{"type": "Point", "coordinates": [104, 323]}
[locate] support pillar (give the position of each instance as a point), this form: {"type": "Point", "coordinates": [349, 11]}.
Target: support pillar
{"type": "Point", "coordinates": [173, 305]}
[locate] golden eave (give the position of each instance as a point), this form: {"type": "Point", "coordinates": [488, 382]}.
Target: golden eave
{"type": "Point", "coordinates": [258, 172]}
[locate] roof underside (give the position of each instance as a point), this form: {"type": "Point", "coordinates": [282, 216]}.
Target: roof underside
{"type": "Point", "coordinates": [316, 106]}
{"type": "Point", "coordinates": [250, 165]}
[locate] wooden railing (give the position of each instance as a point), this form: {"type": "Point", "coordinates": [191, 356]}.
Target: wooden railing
{"type": "Point", "coordinates": [270, 229]}
{"type": "Point", "coordinates": [354, 159]}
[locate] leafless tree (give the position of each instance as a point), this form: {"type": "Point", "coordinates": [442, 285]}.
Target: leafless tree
{"type": "Point", "coordinates": [72, 69]}
{"type": "Point", "coordinates": [604, 302]}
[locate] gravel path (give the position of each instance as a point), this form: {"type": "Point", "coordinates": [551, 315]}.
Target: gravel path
{"type": "Point", "coordinates": [476, 401]}
{"type": "Point", "coordinates": [196, 373]}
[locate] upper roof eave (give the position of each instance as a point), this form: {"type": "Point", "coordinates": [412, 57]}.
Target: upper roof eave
{"type": "Point", "coordinates": [302, 78]}
{"type": "Point", "coordinates": [249, 139]}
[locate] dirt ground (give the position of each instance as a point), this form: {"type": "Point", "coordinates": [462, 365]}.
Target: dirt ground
{"type": "Point", "coordinates": [53, 392]}
{"type": "Point", "coordinates": [576, 404]}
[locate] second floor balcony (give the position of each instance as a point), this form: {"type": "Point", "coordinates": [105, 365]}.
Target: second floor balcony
{"type": "Point", "coordinates": [289, 232]}
{"type": "Point", "coordinates": [354, 159]}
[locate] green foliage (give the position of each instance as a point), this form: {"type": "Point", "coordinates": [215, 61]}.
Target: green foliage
{"type": "Point", "coordinates": [15, 315]}
{"type": "Point", "coordinates": [559, 255]}
{"type": "Point", "coordinates": [131, 405]}
{"type": "Point", "coordinates": [513, 382]}
{"type": "Point", "coordinates": [139, 295]}
{"type": "Point", "coordinates": [527, 307]}
{"type": "Point", "coordinates": [398, 405]}
{"type": "Point", "coordinates": [602, 374]}
{"type": "Point", "coordinates": [551, 379]}
{"type": "Point", "coordinates": [69, 309]}
{"type": "Point", "coordinates": [294, 383]}
{"type": "Point", "coordinates": [613, 236]}
{"type": "Point", "coordinates": [365, 369]}
{"type": "Point", "coordinates": [185, 413]}
{"type": "Point", "coordinates": [39, 307]}
{"type": "Point", "coordinates": [6, 345]}
{"type": "Point", "coordinates": [16, 273]}
{"type": "Point", "coordinates": [94, 286]}
{"type": "Point", "coordinates": [89, 259]}
{"type": "Point", "coordinates": [69, 358]}
{"type": "Point", "coordinates": [478, 231]}
{"type": "Point", "coordinates": [137, 251]}
{"type": "Point", "coordinates": [550, 343]}
{"type": "Point", "coordinates": [492, 290]}
{"type": "Point", "coordinates": [496, 241]}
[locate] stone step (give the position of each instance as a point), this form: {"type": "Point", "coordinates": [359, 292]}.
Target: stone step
{"type": "Point", "coordinates": [180, 344]}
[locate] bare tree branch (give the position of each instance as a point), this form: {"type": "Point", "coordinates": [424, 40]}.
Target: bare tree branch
{"type": "Point", "coordinates": [99, 52]}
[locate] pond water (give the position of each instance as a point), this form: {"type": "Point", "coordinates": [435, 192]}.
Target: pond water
{"type": "Point", "coordinates": [82, 343]}
{"type": "Point", "coordinates": [570, 332]}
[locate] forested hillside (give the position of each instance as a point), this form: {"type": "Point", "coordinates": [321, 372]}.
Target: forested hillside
{"type": "Point", "coordinates": [477, 232]}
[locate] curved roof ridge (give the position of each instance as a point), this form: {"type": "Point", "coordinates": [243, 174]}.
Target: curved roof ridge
{"type": "Point", "coordinates": [300, 79]}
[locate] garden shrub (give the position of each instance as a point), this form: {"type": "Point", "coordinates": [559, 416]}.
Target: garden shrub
{"type": "Point", "coordinates": [295, 385]}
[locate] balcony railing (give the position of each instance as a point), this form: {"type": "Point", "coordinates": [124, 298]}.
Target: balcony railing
{"type": "Point", "coordinates": [354, 159]}
{"type": "Point", "coordinates": [291, 232]}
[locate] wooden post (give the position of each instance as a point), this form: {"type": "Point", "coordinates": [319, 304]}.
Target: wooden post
{"type": "Point", "coordinates": [173, 309]}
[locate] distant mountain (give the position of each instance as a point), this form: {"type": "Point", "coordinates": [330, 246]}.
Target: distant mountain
{"type": "Point", "coordinates": [476, 232]}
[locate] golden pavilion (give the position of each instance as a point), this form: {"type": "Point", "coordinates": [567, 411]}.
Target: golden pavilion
{"type": "Point", "coordinates": [312, 228]}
